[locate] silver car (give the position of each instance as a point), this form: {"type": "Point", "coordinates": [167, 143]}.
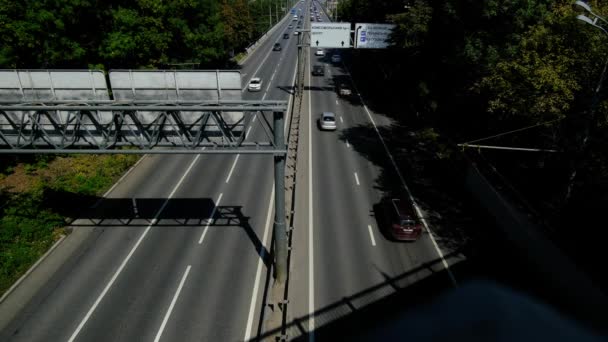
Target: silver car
{"type": "Point", "coordinates": [327, 121]}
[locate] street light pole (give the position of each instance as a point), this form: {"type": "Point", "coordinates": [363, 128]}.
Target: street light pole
{"type": "Point", "coordinates": [594, 21]}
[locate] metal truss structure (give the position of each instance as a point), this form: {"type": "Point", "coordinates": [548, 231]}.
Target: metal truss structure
{"type": "Point", "coordinates": [106, 126]}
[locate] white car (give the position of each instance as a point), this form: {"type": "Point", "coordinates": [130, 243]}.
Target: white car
{"type": "Point", "coordinates": [295, 33]}
{"type": "Point", "coordinates": [319, 52]}
{"type": "Point", "coordinates": [255, 84]}
{"type": "Point", "coordinates": [327, 121]}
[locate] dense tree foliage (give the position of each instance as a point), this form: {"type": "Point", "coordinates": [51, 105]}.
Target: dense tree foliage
{"type": "Point", "coordinates": [130, 33]}
{"type": "Point", "coordinates": [474, 69]}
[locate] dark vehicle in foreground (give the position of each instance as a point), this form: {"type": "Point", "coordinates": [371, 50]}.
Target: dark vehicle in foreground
{"type": "Point", "coordinates": [276, 47]}
{"type": "Point", "coordinates": [318, 70]}
{"type": "Point", "coordinates": [399, 219]}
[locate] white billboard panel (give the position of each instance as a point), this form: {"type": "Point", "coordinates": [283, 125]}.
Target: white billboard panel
{"type": "Point", "coordinates": [330, 35]}
{"type": "Point", "coordinates": [40, 85]}
{"type": "Point", "coordinates": [373, 36]}
{"type": "Point", "coordinates": [185, 85]}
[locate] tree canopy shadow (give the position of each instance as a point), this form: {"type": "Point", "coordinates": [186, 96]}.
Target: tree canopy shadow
{"type": "Point", "coordinates": [436, 187]}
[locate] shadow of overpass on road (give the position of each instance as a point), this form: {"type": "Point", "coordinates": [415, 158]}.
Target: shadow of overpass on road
{"type": "Point", "coordinates": [429, 309]}
{"type": "Point", "coordinates": [165, 213]}
{"type": "Point", "coordinates": [359, 312]}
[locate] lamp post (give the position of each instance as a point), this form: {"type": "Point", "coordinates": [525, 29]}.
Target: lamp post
{"type": "Point", "coordinates": [593, 21]}
{"type": "Point", "coordinates": [587, 16]}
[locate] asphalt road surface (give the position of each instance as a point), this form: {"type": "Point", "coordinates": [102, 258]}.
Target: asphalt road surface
{"type": "Point", "coordinates": [152, 265]}
{"type": "Point", "coordinates": [173, 253]}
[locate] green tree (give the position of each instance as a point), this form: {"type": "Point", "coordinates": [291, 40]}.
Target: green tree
{"type": "Point", "coordinates": [45, 33]}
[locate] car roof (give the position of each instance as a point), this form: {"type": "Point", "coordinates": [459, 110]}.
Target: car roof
{"type": "Point", "coordinates": [328, 114]}
{"type": "Point", "coordinates": [255, 79]}
{"type": "Point", "coordinates": [402, 208]}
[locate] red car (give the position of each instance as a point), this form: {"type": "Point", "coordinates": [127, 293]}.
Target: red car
{"type": "Point", "coordinates": [402, 222]}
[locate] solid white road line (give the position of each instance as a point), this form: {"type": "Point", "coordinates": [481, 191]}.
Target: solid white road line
{"type": "Point", "coordinates": [258, 272]}
{"type": "Point", "coordinates": [248, 130]}
{"type": "Point", "coordinates": [407, 189]}
{"type": "Point", "coordinates": [210, 220]}
{"type": "Point", "coordinates": [357, 178]}
{"type": "Point", "coordinates": [311, 271]}
{"type": "Point", "coordinates": [236, 159]}
{"type": "Point", "coordinates": [133, 249]}
{"type": "Point", "coordinates": [254, 117]}
{"type": "Point", "coordinates": [371, 235]}
{"type": "Point", "coordinates": [168, 314]}
{"type": "Point", "coordinates": [341, 121]}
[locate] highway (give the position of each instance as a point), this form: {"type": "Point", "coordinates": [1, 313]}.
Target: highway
{"type": "Point", "coordinates": [178, 249]}
{"type": "Point", "coordinates": [349, 263]}
{"type": "Point", "coordinates": [151, 265]}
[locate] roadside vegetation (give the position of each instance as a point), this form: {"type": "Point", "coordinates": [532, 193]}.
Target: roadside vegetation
{"type": "Point", "coordinates": [29, 222]}
{"type": "Point", "coordinates": [473, 69]}
{"type": "Point", "coordinates": [131, 34]}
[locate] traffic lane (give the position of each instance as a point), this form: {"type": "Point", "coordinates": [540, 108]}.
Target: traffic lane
{"type": "Point", "coordinates": [162, 161]}
{"type": "Point", "coordinates": [353, 205]}
{"type": "Point", "coordinates": [380, 170]}
{"type": "Point", "coordinates": [230, 254]}
{"type": "Point", "coordinates": [260, 52]}
{"type": "Point", "coordinates": [76, 284]}
{"type": "Point", "coordinates": [147, 281]}
{"type": "Point", "coordinates": [396, 261]}
{"type": "Point", "coordinates": [263, 53]}
{"type": "Point", "coordinates": [248, 188]}
{"type": "Point", "coordinates": [267, 73]}
{"type": "Point", "coordinates": [345, 264]}
{"type": "Point", "coordinates": [277, 65]}
{"type": "Point", "coordinates": [279, 87]}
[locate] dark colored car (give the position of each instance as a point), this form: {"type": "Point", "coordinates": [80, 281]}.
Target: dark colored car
{"type": "Point", "coordinates": [401, 221]}
{"type": "Point", "coordinates": [276, 47]}
{"type": "Point", "coordinates": [285, 35]}
{"type": "Point", "coordinates": [318, 70]}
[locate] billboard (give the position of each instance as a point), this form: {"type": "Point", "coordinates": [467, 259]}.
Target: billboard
{"type": "Point", "coordinates": [330, 35]}
{"type": "Point", "coordinates": [50, 85]}
{"type": "Point", "coordinates": [373, 36]}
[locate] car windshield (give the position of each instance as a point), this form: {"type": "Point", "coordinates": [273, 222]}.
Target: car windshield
{"type": "Point", "coordinates": [328, 118]}
{"type": "Point", "coordinates": [407, 223]}
{"type": "Point", "coordinates": [255, 81]}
